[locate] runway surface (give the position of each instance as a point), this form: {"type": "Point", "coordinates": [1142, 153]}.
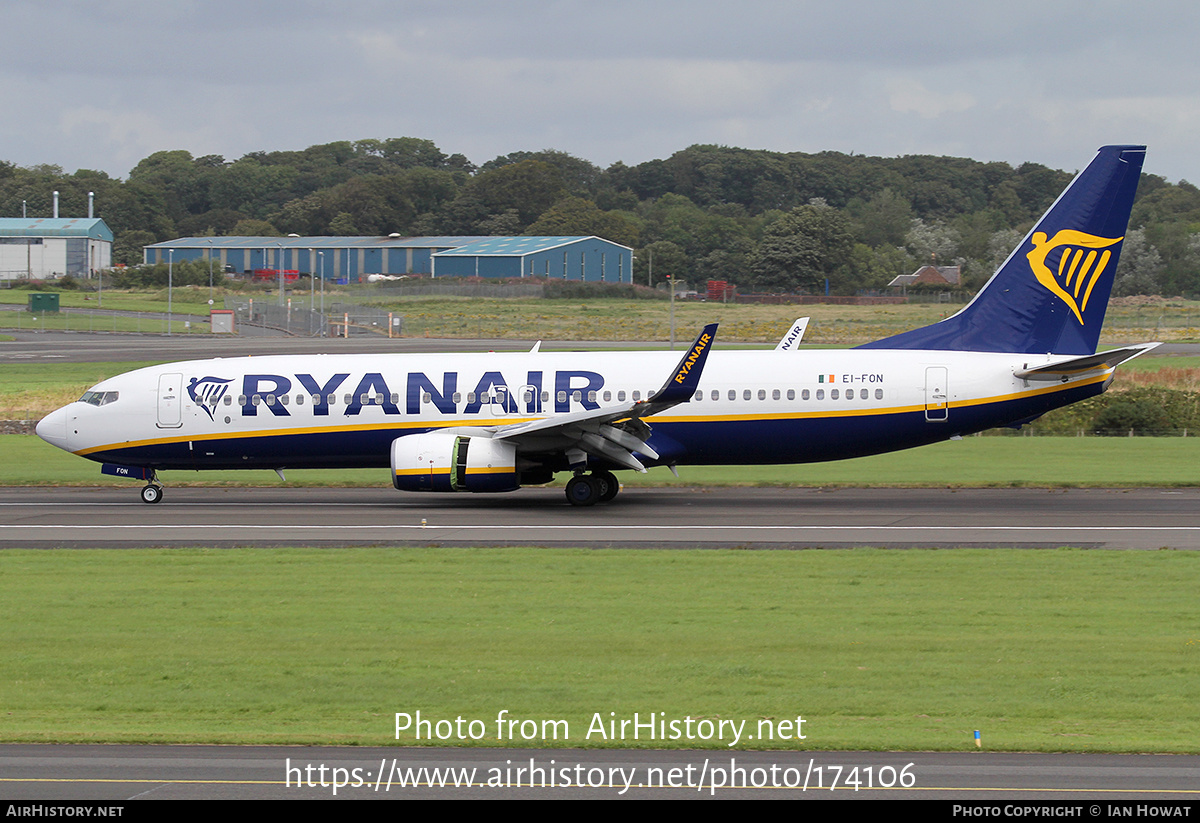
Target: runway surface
{"type": "Point", "coordinates": [87, 347]}
{"type": "Point", "coordinates": [639, 517]}
{"type": "Point", "coordinates": [112, 773]}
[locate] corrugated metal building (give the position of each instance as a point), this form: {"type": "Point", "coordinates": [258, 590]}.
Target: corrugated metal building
{"type": "Point", "coordinates": [566, 258]}
{"type": "Point", "coordinates": [354, 258]}
{"type": "Point", "coordinates": [45, 247]}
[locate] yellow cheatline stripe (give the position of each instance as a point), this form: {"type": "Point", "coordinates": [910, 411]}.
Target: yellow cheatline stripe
{"type": "Point", "coordinates": [663, 418]}
{"type": "Point", "coordinates": [1100, 378]}
{"type": "Point", "coordinates": [426, 424]}
{"type": "Point", "coordinates": [443, 472]}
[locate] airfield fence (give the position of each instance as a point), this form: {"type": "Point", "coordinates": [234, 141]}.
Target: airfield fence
{"type": "Point", "coordinates": [301, 316]}
{"type": "Point", "coordinates": [428, 288]}
{"type": "Point", "coordinates": [100, 320]}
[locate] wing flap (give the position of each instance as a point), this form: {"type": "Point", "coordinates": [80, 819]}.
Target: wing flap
{"type": "Point", "coordinates": [617, 433]}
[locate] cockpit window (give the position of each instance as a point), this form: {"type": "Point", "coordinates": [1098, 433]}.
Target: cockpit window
{"type": "Point", "coordinates": [99, 398]}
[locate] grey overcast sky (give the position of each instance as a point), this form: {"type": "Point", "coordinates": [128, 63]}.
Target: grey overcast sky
{"type": "Point", "coordinates": [102, 84]}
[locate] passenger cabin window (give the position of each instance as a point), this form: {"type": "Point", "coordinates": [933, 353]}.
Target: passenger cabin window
{"type": "Point", "coordinates": [879, 394]}
{"type": "Point", "coordinates": [804, 394]}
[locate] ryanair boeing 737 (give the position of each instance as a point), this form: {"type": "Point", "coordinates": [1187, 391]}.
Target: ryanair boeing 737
{"type": "Point", "coordinates": [494, 422]}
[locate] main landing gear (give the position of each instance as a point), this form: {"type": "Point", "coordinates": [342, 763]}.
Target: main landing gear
{"type": "Point", "coordinates": [590, 489]}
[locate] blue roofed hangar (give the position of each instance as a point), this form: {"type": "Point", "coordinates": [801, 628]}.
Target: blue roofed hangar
{"type": "Point", "coordinates": [355, 258]}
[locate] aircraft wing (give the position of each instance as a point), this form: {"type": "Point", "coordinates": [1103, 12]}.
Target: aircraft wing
{"type": "Point", "coordinates": [1076, 366]}
{"type": "Point", "coordinates": [615, 432]}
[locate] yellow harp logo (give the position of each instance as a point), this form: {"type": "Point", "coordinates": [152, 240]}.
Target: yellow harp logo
{"type": "Point", "coordinates": [1080, 264]}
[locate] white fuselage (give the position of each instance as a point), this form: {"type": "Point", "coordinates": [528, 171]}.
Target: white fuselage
{"type": "Point", "coordinates": [749, 407]}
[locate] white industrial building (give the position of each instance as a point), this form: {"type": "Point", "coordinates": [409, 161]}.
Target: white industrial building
{"type": "Point", "coordinates": [43, 248]}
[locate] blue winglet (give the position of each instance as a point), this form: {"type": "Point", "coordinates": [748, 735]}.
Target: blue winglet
{"type": "Point", "coordinates": [681, 385]}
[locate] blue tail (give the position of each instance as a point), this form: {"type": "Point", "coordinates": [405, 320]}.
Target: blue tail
{"type": "Point", "coordinates": [1051, 293]}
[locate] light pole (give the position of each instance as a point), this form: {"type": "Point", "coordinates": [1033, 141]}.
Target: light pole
{"type": "Point", "coordinates": [321, 256]}
{"type": "Point", "coordinates": [210, 274]}
{"type": "Point", "coordinates": [279, 270]}
{"type": "Point", "coordinates": [671, 280]}
{"type": "Point", "coordinates": [170, 285]}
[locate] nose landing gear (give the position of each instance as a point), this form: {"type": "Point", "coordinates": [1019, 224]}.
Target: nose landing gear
{"type": "Point", "coordinates": [152, 492]}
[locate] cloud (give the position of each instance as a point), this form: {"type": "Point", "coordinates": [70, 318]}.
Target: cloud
{"type": "Point", "coordinates": [1017, 80]}
{"type": "Point", "coordinates": [906, 95]}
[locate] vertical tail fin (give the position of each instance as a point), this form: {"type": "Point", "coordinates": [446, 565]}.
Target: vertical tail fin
{"type": "Point", "coordinates": [1051, 294]}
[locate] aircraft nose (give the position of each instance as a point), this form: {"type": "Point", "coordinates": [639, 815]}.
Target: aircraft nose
{"type": "Point", "coordinates": [53, 428]}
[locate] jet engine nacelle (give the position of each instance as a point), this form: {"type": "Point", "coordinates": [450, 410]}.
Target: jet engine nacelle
{"type": "Point", "coordinates": [449, 462]}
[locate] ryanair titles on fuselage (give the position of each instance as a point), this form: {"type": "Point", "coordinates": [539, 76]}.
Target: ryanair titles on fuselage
{"type": "Point", "coordinates": [372, 388]}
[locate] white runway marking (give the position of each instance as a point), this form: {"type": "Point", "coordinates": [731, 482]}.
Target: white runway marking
{"type": "Point", "coordinates": [595, 526]}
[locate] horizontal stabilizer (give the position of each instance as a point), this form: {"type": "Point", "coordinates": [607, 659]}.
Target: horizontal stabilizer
{"type": "Point", "coordinates": [1078, 366]}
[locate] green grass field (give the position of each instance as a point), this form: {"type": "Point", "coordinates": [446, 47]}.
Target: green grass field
{"type": "Point", "coordinates": [1054, 650]}
{"type": "Point", "coordinates": [1128, 320]}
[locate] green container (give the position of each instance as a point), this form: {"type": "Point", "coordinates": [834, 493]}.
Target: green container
{"type": "Point", "coordinates": [39, 302]}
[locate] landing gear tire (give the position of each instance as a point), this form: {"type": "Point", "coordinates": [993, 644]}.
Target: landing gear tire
{"type": "Point", "coordinates": [611, 487]}
{"type": "Point", "coordinates": [583, 490]}
{"type": "Point", "coordinates": [152, 493]}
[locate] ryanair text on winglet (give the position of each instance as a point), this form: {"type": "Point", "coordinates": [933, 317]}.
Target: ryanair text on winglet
{"type": "Point", "coordinates": [697, 350]}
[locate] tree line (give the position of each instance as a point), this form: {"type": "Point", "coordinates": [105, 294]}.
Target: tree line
{"type": "Point", "coordinates": [766, 221]}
